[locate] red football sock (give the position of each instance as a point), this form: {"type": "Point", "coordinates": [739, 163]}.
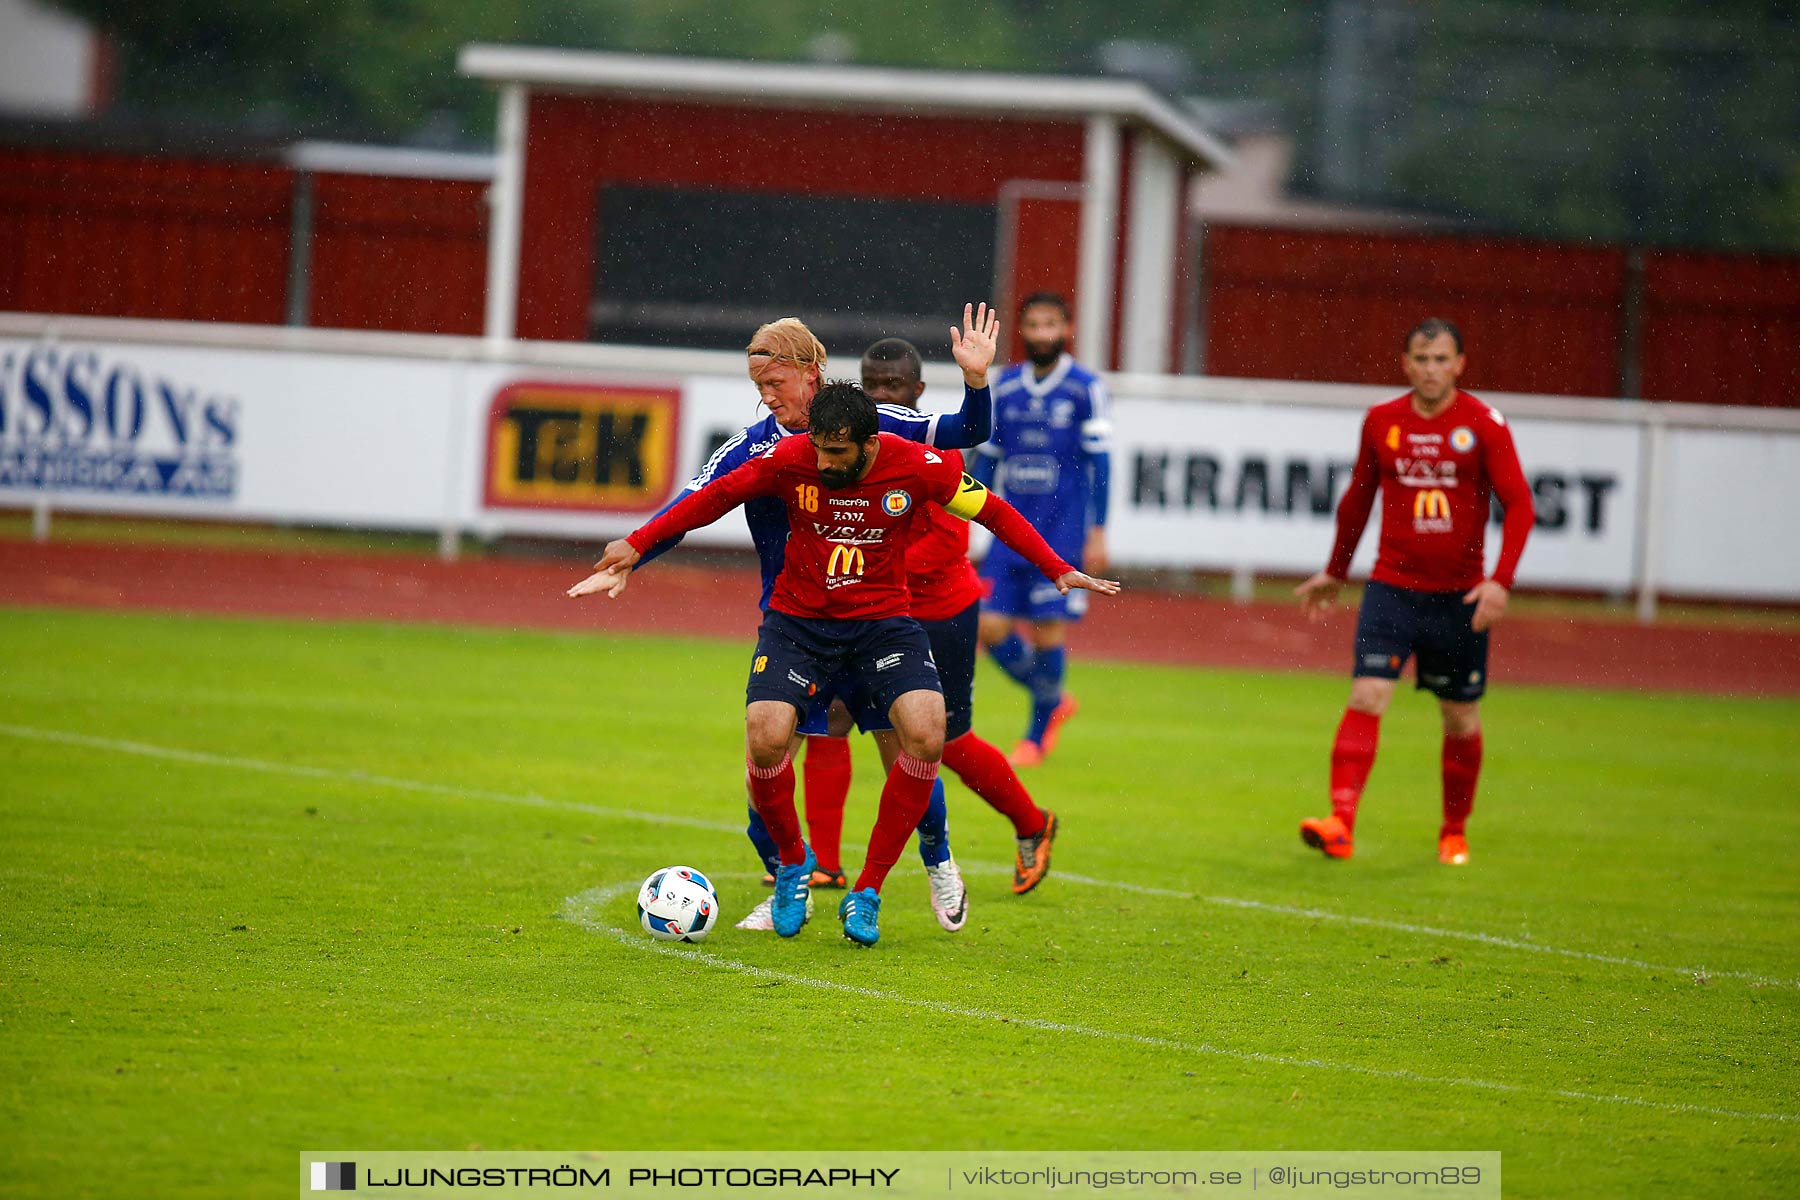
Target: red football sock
{"type": "Point", "coordinates": [772, 791]}
{"type": "Point", "coordinates": [826, 775]}
{"type": "Point", "coordinates": [1352, 754]}
{"type": "Point", "coordinates": [985, 771]}
{"type": "Point", "coordinates": [904, 798]}
{"type": "Point", "coordinates": [1462, 767]}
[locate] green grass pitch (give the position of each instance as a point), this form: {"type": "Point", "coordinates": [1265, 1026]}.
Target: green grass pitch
{"type": "Point", "coordinates": [270, 886]}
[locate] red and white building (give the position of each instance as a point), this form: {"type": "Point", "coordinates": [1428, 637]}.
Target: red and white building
{"type": "Point", "coordinates": [684, 201]}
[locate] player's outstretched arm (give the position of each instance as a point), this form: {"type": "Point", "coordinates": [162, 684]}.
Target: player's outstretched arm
{"type": "Point", "coordinates": [691, 512]}
{"type": "Point", "coordinates": [974, 502]}
{"type": "Point", "coordinates": [734, 454]}
{"type": "Point", "coordinates": [1318, 594]}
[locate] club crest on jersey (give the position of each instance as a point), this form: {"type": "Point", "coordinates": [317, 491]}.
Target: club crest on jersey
{"type": "Point", "coordinates": [1462, 439]}
{"type": "Point", "coordinates": [896, 502]}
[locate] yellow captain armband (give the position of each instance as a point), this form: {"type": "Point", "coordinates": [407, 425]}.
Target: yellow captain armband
{"type": "Point", "coordinates": [969, 499]}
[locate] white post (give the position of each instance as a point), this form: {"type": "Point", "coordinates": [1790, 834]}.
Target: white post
{"type": "Point", "coordinates": [1243, 584]}
{"type": "Point", "coordinates": [40, 518]}
{"type": "Point", "coordinates": [1099, 236]}
{"type": "Point", "coordinates": [1149, 286]}
{"type": "Point", "coordinates": [505, 197]}
{"type": "Point", "coordinates": [450, 532]}
{"type": "Point", "coordinates": [1656, 466]}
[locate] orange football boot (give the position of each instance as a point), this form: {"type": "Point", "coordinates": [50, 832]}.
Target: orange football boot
{"type": "Point", "coordinates": [1329, 835]}
{"type": "Point", "coordinates": [1033, 860]}
{"type": "Point", "coordinates": [1026, 754]}
{"type": "Point", "coordinates": [1453, 849]}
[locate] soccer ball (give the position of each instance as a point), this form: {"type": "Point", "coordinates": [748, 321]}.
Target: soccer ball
{"type": "Point", "coordinates": [677, 904]}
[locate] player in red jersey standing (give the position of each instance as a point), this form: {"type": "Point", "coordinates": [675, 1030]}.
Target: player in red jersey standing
{"type": "Point", "coordinates": [839, 611]}
{"type": "Point", "coordinates": [1436, 454]}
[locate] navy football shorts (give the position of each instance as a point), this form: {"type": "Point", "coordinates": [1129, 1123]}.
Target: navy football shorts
{"type": "Point", "coordinates": [817, 721]}
{"type": "Point", "coordinates": [1018, 589]}
{"type": "Point", "coordinates": [869, 664]}
{"type": "Point", "coordinates": [1396, 623]}
{"type": "Point", "coordinates": [953, 648]}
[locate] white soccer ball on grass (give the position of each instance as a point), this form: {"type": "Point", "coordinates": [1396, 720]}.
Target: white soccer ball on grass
{"type": "Point", "coordinates": [677, 904]}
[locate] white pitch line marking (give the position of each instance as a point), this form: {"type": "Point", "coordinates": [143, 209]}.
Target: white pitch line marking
{"type": "Point", "coordinates": [584, 910]}
{"type": "Point", "coordinates": [1486, 939]}
{"type": "Point", "coordinates": [201, 758]}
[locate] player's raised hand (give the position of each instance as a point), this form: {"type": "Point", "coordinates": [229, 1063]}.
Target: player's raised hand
{"type": "Point", "coordinates": [612, 582]}
{"type": "Point", "coordinates": [1489, 599]}
{"type": "Point", "coordinates": [1318, 594]}
{"type": "Point", "coordinates": [1087, 583]}
{"type": "Point", "coordinates": [975, 344]}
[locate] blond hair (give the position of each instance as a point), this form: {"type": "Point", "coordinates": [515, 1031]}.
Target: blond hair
{"type": "Point", "coordinates": [785, 341]}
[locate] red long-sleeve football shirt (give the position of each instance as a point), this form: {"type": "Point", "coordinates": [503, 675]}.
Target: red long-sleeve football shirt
{"type": "Point", "coordinates": [846, 551]}
{"type": "Point", "coordinates": [1435, 476]}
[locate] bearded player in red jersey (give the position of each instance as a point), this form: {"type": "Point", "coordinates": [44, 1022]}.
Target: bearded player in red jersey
{"type": "Point", "coordinates": [1436, 454]}
{"type": "Point", "coordinates": [839, 611]}
{"type": "Point", "coordinates": [946, 601]}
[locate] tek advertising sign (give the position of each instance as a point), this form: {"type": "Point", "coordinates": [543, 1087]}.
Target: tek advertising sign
{"type": "Point", "coordinates": [581, 446]}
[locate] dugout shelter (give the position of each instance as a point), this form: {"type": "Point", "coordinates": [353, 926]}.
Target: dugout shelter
{"type": "Point", "coordinates": [681, 201]}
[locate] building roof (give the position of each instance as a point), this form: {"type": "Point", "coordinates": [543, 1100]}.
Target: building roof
{"type": "Point", "coordinates": [352, 158]}
{"type": "Point", "coordinates": [848, 87]}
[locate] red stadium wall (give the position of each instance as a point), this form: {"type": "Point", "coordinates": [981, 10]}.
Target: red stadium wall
{"type": "Point", "coordinates": [398, 254]}
{"type": "Point", "coordinates": [1721, 328]}
{"type": "Point", "coordinates": [577, 144]}
{"type": "Point", "coordinates": [1301, 304]}
{"type": "Point", "coordinates": [189, 239]}
{"type": "Point", "coordinates": [96, 233]}
{"type": "Point", "coordinates": [137, 236]}
{"type": "Point", "coordinates": [1538, 317]}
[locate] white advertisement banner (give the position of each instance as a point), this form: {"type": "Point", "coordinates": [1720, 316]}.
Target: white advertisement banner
{"type": "Point", "coordinates": [1220, 486]}
{"type": "Point", "coordinates": [253, 434]}
{"type": "Point", "coordinates": [414, 442]}
{"type": "Point", "coordinates": [1730, 514]}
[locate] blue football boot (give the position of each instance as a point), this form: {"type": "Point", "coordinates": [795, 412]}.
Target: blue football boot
{"type": "Point", "coordinates": [860, 911]}
{"type": "Point", "coordinates": [793, 895]}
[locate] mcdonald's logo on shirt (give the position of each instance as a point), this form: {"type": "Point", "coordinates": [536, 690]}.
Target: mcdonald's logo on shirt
{"type": "Point", "coordinates": [1431, 511]}
{"type": "Point", "coordinates": [844, 566]}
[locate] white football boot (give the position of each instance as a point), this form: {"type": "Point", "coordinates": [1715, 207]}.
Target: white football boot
{"type": "Point", "coordinates": [949, 898]}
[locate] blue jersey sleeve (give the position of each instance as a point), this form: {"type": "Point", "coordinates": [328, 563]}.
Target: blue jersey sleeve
{"type": "Point", "coordinates": [968, 426]}
{"type": "Point", "coordinates": [726, 459]}
{"type": "Point", "coordinates": [984, 464]}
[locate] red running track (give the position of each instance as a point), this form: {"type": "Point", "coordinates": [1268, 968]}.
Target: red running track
{"type": "Point", "coordinates": [670, 598]}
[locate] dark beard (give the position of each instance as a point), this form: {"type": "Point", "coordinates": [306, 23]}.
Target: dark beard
{"type": "Point", "coordinates": [1047, 356]}
{"type": "Point", "coordinates": [831, 477]}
